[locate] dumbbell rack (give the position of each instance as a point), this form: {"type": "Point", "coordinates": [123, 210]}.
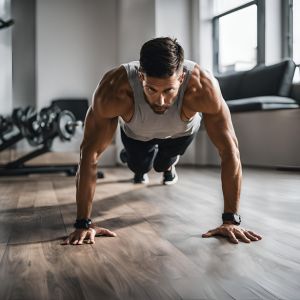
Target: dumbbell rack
{"type": "Point", "coordinates": [18, 167]}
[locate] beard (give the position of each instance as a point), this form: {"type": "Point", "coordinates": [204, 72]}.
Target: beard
{"type": "Point", "coordinates": [158, 109]}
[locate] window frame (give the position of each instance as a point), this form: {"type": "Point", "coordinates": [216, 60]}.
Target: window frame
{"type": "Point", "coordinates": [287, 28]}
{"type": "Point", "coordinates": [260, 33]}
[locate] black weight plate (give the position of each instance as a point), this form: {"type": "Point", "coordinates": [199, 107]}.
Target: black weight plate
{"type": "Point", "coordinates": [66, 128]}
{"type": "Point", "coordinates": [17, 115]}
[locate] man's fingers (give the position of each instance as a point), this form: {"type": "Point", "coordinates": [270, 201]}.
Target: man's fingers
{"type": "Point", "coordinates": [106, 232]}
{"type": "Point", "coordinates": [66, 242]}
{"type": "Point", "coordinates": [250, 236]}
{"type": "Point", "coordinates": [234, 234]}
{"type": "Point", "coordinates": [78, 237]}
{"type": "Point", "coordinates": [91, 239]}
{"type": "Point", "coordinates": [68, 239]}
{"type": "Point", "coordinates": [82, 236]}
{"type": "Point", "coordinates": [242, 236]}
{"type": "Point", "coordinates": [232, 238]}
{"type": "Point", "coordinates": [255, 234]}
{"type": "Point", "coordinates": [210, 233]}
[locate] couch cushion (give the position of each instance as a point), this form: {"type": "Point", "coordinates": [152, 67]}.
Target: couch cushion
{"type": "Point", "coordinates": [230, 84]}
{"type": "Point", "coordinates": [261, 103]}
{"type": "Point", "coordinates": [268, 80]}
{"type": "Point", "coordinates": [295, 91]}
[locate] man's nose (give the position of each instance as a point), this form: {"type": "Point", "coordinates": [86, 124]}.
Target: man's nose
{"type": "Point", "coordinates": [161, 100]}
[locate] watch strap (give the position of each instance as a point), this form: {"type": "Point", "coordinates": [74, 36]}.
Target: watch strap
{"type": "Point", "coordinates": [235, 218]}
{"type": "Point", "coordinates": [83, 223]}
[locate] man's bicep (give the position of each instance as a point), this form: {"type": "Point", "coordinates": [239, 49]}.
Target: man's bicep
{"type": "Point", "coordinates": [220, 130]}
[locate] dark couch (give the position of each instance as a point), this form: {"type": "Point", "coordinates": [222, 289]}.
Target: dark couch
{"type": "Point", "coordinates": [261, 88]}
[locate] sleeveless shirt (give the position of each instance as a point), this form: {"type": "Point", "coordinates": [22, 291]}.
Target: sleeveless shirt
{"type": "Point", "coordinates": [145, 124]}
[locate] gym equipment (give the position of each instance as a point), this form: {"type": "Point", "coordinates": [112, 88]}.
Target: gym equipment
{"type": "Point", "coordinates": [9, 135]}
{"type": "Point", "coordinates": [40, 129]}
{"type": "Point", "coordinates": [5, 125]}
{"type": "Point", "coordinates": [67, 125]}
{"type": "Point", "coordinates": [78, 106]}
{"type": "Point", "coordinates": [5, 24]}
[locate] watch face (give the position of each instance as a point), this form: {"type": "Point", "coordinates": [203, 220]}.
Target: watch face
{"type": "Point", "coordinates": [237, 218]}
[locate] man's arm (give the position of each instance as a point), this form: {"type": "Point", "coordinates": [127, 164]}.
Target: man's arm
{"type": "Point", "coordinates": [98, 134]}
{"type": "Point", "coordinates": [205, 96]}
{"type": "Point", "coordinates": [205, 91]}
{"type": "Point", "coordinates": [220, 130]}
{"type": "Point", "coordinates": [110, 100]}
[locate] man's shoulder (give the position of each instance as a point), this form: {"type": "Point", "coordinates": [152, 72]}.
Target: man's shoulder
{"type": "Point", "coordinates": [202, 91]}
{"type": "Point", "coordinates": [113, 94]}
{"type": "Point", "coordinates": [115, 78]}
{"type": "Point", "coordinates": [114, 83]}
{"type": "Point", "coordinates": [200, 74]}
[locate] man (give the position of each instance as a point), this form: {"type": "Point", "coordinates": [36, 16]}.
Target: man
{"type": "Point", "coordinates": [160, 101]}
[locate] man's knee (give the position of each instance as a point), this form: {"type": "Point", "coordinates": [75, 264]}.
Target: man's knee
{"type": "Point", "coordinates": [158, 168]}
{"type": "Point", "coordinates": [139, 163]}
{"type": "Point", "coordinates": [161, 164]}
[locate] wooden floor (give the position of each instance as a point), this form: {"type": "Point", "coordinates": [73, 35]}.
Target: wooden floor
{"type": "Point", "coordinates": [159, 252]}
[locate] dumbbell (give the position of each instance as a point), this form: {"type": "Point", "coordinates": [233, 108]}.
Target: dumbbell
{"type": "Point", "coordinates": [66, 125]}
{"type": "Point", "coordinates": [6, 125]}
{"type": "Point", "coordinates": [17, 116]}
{"type": "Point", "coordinates": [30, 126]}
{"type": "Point", "coordinates": [48, 123]}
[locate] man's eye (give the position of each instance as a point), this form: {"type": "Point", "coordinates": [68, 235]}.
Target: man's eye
{"type": "Point", "coordinates": [170, 91]}
{"type": "Point", "coordinates": [150, 90]}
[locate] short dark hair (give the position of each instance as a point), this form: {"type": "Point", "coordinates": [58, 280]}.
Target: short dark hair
{"type": "Point", "coordinates": [161, 57]}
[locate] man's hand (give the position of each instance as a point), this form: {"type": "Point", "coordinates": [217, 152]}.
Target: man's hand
{"type": "Point", "coordinates": [79, 236]}
{"type": "Point", "coordinates": [233, 232]}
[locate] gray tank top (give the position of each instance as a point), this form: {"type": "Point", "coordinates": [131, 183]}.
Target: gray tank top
{"type": "Point", "coordinates": [146, 125]}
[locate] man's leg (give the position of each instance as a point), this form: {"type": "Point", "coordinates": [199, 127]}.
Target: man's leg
{"type": "Point", "coordinates": [168, 154]}
{"type": "Point", "coordinates": [140, 155]}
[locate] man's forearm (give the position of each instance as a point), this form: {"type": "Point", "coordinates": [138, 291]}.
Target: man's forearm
{"type": "Point", "coordinates": [231, 175]}
{"type": "Point", "coordinates": [85, 187]}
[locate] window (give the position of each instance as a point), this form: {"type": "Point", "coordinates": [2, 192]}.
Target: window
{"type": "Point", "coordinates": [238, 44]}
{"type": "Point", "coordinates": [221, 6]}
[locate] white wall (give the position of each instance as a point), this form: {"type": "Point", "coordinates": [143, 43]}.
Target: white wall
{"type": "Point", "coordinates": [75, 45]}
{"type": "Point", "coordinates": [5, 60]}
{"type": "Point", "coordinates": [136, 25]}
{"type": "Point", "coordinates": [173, 18]}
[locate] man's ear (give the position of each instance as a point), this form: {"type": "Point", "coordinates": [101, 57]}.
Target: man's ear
{"type": "Point", "coordinates": [141, 76]}
{"type": "Point", "coordinates": [181, 77]}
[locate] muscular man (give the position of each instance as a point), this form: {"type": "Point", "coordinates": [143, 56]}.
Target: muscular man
{"type": "Point", "coordinates": [160, 102]}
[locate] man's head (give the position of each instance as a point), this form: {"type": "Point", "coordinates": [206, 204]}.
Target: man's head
{"type": "Point", "coordinates": [161, 72]}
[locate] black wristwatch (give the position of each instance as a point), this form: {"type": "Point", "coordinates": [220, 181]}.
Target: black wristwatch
{"type": "Point", "coordinates": [83, 223]}
{"type": "Point", "coordinates": [235, 218]}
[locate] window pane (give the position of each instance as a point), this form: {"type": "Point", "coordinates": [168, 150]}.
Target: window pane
{"type": "Point", "coordinates": [238, 40]}
{"type": "Point", "coordinates": [296, 31]}
{"type": "Point", "coordinates": [221, 6]}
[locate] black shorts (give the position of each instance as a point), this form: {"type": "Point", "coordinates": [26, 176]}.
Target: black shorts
{"type": "Point", "coordinates": [157, 153]}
